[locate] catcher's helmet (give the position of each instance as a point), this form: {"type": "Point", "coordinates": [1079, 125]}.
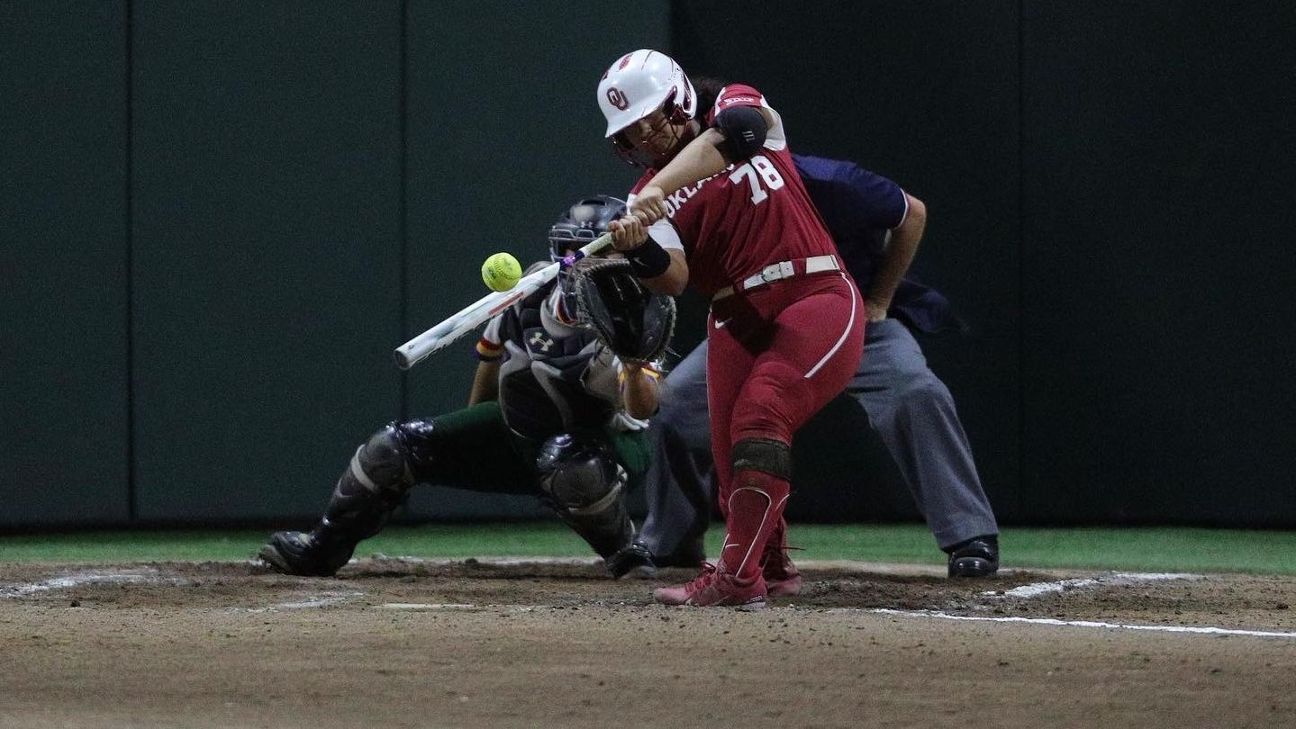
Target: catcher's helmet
{"type": "Point", "coordinates": [638, 84]}
{"type": "Point", "coordinates": [582, 223]}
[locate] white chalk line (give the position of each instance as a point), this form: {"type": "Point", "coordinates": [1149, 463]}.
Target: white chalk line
{"type": "Point", "coordinates": [149, 575]}
{"type": "Point", "coordinates": [1036, 589]}
{"type": "Point", "coordinates": [315, 601]}
{"type": "Point", "coordinates": [512, 561]}
{"type": "Point", "coordinates": [429, 606]}
{"type": "Point", "coordinates": [1200, 630]}
{"type": "Point", "coordinates": [465, 607]}
{"type": "Point", "coordinates": [77, 579]}
{"type": "Point", "coordinates": [1203, 630]}
{"type": "Point", "coordinates": [485, 561]}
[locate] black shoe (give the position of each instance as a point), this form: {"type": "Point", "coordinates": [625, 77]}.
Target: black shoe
{"type": "Point", "coordinates": [689, 554]}
{"type": "Point", "coordinates": [298, 553]}
{"type": "Point", "coordinates": [977, 557]}
{"type": "Point", "coordinates": [634, 560]}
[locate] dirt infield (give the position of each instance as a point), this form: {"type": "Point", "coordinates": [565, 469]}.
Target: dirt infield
{"type": "Point", "coordinates": [408, 644]}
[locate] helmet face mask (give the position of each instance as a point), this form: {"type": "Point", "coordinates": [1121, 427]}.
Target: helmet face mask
{"type": "Point", "coordinates": [651, 141]}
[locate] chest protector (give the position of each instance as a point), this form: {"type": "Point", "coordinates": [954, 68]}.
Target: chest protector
{"type": "Point", "coordinates": [544, 378]}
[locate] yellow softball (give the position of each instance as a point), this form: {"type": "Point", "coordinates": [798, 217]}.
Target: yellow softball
{"type": "Point", "coordinates": [501, 272]}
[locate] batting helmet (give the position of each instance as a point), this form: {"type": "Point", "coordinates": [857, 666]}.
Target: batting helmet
{"type": "Point", "coordinates": [638, 84]}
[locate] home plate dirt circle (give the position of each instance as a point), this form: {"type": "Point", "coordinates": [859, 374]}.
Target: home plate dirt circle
{"type": "Point", "coordinates": [400, 642]}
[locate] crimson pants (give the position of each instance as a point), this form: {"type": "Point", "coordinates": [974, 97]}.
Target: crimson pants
{"type": "Point", "coordinates": [778, 354]}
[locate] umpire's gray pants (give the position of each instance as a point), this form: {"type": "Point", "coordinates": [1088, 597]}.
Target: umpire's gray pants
{"type": "Point", "coordinates": [909, 407]}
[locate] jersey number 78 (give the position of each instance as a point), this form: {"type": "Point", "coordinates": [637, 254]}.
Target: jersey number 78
{"type": "Point", "coordinates": [757, 169]}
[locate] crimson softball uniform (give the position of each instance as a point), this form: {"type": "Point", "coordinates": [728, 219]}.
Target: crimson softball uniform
{"type": "Point", "coordinates": [787, 324]}
{"type": "Point", "coordinates": [734, 223]}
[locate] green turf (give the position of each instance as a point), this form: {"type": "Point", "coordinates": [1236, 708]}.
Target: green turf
{"type": "Point", "coordinates": [1151, 549]}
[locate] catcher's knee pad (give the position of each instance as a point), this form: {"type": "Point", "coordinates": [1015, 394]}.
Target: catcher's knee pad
{"type": "Point", "coordinates": [765, 455]}
{"type": "Point", "coordinates": [381, 464]}
{"type": "Point", "coordinates": [586, 487]}
{"type": "Point", "coordinates": [579, 475]}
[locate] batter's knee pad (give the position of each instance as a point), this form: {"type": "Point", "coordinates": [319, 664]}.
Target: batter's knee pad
{"type": "Point", "coordinates": [586, 487]}
{"type": "Point", "coordinates": [765, 455]}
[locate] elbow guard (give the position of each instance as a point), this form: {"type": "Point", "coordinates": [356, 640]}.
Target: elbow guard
{"type": "Point", "coordinates": [744, 130]}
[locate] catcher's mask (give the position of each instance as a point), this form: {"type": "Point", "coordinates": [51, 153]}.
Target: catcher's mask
{"type": "Point", "coordinates": [580, 224]}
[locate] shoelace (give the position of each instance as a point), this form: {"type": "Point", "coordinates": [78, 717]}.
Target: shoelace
{"type": "Point", "coordinates": [703, 578]}
{"type": "Point", "coordinates": [774, 561]}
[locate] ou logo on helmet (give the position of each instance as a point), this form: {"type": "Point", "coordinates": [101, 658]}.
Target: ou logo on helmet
{"type": "Point", "coordinates": [617, 99]}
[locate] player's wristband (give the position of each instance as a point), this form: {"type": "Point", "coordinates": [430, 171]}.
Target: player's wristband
{"type": "Point", "coordinates": [488, 351]}
{"type": "Point", "coordinates": [649, 260]}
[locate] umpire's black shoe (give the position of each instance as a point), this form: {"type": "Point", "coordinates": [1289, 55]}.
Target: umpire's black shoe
{"type": "Point", "coordinates": [634, 560]}
{"type": "Point", "coordinates": [689, 553]}
{"type": "Point", "coordinates": [298, 553]}
{"type": "Point", "coordinates": [977, 557]}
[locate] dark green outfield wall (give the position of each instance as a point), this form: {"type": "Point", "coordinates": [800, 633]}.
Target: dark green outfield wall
{"type": "Point", "coordinates": [267, 251]}
{"type": "Point", "coordinates": [218, 218]}
{"type": "Point", "coordinates": [64, 253]}
{"type": "Point", "coordinates": [1159, 220]}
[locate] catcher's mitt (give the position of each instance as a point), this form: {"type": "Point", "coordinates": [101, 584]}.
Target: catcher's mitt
{"type": "Point", "coordinates": [628, 319]}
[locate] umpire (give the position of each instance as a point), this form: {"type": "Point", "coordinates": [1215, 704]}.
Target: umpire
{"type": "Point", "coordinates": [554, 411]}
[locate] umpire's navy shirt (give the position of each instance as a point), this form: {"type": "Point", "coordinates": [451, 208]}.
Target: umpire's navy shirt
{"type": "Point", "coordinates": [860, 208]}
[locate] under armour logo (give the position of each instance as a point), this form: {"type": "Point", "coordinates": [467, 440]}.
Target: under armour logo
{"type": "Point", "coordinates": [542, 342]}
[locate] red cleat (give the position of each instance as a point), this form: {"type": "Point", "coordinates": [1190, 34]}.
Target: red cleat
{"type": "Point", "coordinates": [782, 578]}
{"type": "Point", "coordinates": [714, 588]}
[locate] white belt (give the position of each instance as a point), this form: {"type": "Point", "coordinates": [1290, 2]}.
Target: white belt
{"type": "Point", "coordinates": [779, 271]}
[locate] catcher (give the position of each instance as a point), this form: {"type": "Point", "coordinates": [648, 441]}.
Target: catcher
{"type": "Point", "coordinates": [566, 381]}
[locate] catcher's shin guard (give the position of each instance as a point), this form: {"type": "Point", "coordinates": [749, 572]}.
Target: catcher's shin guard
{"type": "Point", "coordinates": [368, 491]}
{"type": "Point", "coordinates": [373, 485]}
{"type": "Point", "coordinates": [586, 487]}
